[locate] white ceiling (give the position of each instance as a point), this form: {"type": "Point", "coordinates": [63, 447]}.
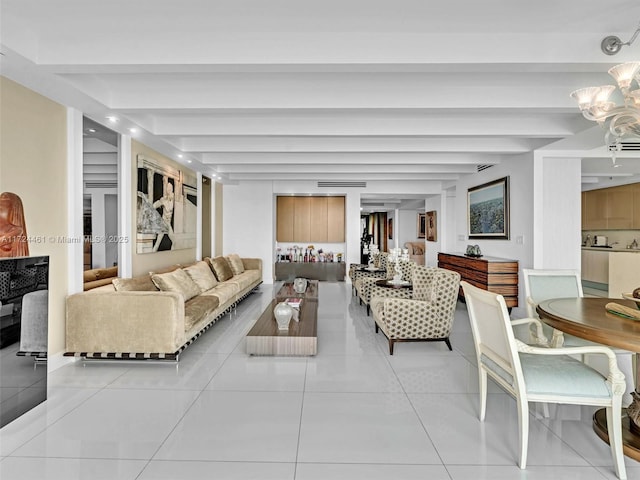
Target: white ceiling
{"type": "Point", "coordinates": [366, 90]}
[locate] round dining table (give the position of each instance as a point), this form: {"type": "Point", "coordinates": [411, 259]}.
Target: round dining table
{"type": "Point", "coordinates": [587, 318]}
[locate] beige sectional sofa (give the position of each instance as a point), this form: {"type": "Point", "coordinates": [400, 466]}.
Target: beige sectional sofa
{"type": "Point", "coordinates": [156, 316]}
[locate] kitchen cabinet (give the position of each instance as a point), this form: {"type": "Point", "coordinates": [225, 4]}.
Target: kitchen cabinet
{"type": "Point", "coordinates": [595, 215]}
{"type": "Point", "coordinates": [623, 273]}
{"type": "Point", "coordinates": [595, 266]}
{"type": "Point", "coordinates": [614, 208]}
{"type": "Point", "coordinates": [636, 205]}
{"type": "Point", "coordinates": [310, 219]}
{"type": "Point", "coordinates": [620, 207]}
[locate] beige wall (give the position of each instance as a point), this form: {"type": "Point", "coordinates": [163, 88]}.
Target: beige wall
{"type": "Point", "coordinates": [33, 164]}
{"type": "Point", "coordinates": [145, 262]}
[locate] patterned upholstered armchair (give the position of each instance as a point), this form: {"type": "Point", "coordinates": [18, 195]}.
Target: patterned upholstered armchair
{"type": "Point", "coordinates": [355, 273]}
{"type": "Point", "coordinates": [380, 261]}
{"type": "Point", "coordinates": [366, 286]}
{"type": "Point", "coordinates": [427, 315]}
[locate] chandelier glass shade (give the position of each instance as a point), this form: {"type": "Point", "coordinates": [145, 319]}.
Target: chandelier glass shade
{"type": "Point", "coordinates": [619, 120]}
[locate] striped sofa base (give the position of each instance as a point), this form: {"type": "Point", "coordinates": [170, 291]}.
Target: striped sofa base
{"type": "Point", "coordinates": [160, 356]}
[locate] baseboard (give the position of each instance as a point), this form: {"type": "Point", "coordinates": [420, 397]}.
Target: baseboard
{"type": "Point", "coordinates": [58, 360]}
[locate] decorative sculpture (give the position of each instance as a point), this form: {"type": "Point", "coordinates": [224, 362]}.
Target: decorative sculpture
{"type": "Point", "coordinates": [13, 228]}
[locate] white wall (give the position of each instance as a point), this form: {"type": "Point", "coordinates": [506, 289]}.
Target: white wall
{"type": "Point", "coordinates": [520, 170]}
{"type": "Point", "coordinates": [249, 214]}
{"type": "Point", "coordinates": [248, 223]}
{"type": "Point", "coordinates": [557, 212]}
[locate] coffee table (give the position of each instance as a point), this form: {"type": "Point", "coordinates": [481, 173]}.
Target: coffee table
{"type": "Point", "coordinates": [301, 339]}
{"type": "Point", "coordinates": [287, 291]}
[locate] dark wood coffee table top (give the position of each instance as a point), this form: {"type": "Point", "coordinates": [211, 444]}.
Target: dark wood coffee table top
{"type": "Point", "coordinates": [307, 326]}
{"type": "Point", "coordinates": [287, 291]}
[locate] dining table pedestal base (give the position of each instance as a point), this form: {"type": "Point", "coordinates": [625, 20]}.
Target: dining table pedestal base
{"type": "Point", "coordinates": [630, 439]}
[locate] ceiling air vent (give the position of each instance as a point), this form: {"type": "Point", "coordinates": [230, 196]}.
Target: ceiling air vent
{"type": "Point", "coordinates": [626, 147]}
{"type": "Point", "coordinates": [484, 167]}
{"type": "Point", "coordinates": [104, 184]}
{"type": "Point", "coordinates": [342, 184]}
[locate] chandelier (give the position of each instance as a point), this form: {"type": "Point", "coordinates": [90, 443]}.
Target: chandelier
{"type": "Point", "coordinates": [619, 120]}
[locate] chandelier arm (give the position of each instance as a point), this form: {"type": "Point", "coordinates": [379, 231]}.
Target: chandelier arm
{"type": "Point", "coordinates": [633, 38]}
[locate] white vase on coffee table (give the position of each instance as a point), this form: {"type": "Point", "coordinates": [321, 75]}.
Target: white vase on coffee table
{"type": "Point", "coordinates": [283, 313]}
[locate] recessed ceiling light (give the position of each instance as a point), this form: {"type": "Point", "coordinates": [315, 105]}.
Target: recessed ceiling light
{"type": "Point", "coordinates": [180, 155]}
{"type": "Point", "coordinates": [133, 130]}
{"type": "Point", "coordinates": [91, 130]}
{"type": "Point", "coordinates": [188, 161]}
{"type": "Point", "coordinates": [112, 119]}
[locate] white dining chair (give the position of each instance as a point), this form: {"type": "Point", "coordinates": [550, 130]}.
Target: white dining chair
{"type": "Point", "coordinates": [540, 285]}
{"type": "Point", "coordinates": [535, 374]}
{"type": "Point", "coordinates": [545, 284]}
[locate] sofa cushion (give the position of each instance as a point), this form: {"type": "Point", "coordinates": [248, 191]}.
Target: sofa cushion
{"type": "Point", "coordinates": [221, 268]}
{"type": "Point", "coordinates": [198, 308]}
{"type": "Point", "coordinates": [168, 269]}
{"type": "Point", "coordinates": [235, 262]}
{"type": "Point", "coordinates": [202, 275]}
{"type": "Point", "coordinates": [143, 283]}
{"type": "Point", "coordinates": [245, 279]}
{"type": "Point", "coordinates": [99, 274]}
{"type": "Point", "coordinates": [226, 292]}
{"type": "Point", "coordinates": [176, 281]}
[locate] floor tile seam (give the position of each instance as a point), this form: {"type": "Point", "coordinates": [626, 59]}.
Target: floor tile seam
{"type": "Point", "coordinates": [178, 421]}
{"type": "Point", "coordinates": [426, 430]}
{"type": "Point", "coordinates": [182, 460]}
{"type": "Point", "coordinates": [184, 413]}
{"type": "Point", "coordinates": [395, 464]}
{"type": "Point", "coordinates": [61, 457]}
{"type": "Point", "coordinates": [304, 389]}
{"type": "Point", "coordinates": [589, 463]}
{"type": "Point", "coordinates": [415, 412]}
{"type": "Point", "coordinates": [48, 425]}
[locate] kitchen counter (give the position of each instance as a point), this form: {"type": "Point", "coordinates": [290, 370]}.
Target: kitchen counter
{"type": "Point", "coordinates": [614, 249]}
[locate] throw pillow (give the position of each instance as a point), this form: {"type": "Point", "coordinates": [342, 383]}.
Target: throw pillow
{"type": "Point", "coordinates": [176, 281]}
{"type": "Point", "coordinates": [221, 268]}
{"type": "Point", "coordinates": [235, 262]}
{"type": "Point", "coordinates": [142, 283]}
{"type": "Point", "coordinates": [202, 275]}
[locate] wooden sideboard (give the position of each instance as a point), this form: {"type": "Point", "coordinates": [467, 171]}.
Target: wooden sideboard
{"type": "Point", "coordinates": [325, 271]}
{"type": "Point", "coordinates": [497, 275]}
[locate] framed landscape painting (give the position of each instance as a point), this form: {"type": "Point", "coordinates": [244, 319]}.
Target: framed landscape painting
{"type": "Point", "coordinates": [488, 210]}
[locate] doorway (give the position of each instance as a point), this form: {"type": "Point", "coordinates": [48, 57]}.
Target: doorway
{"type": "Point", "coordinates": [100, 195]}
{"type": "Point", "coordinates": [206, 217]}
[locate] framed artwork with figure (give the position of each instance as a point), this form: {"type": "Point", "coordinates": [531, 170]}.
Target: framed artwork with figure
{"type": "Point", "coordinates": [422, 225]}
{"type": "Point", "coordinates": [390, 229]}
{"type": "Point", "coordinates": [432, 232]}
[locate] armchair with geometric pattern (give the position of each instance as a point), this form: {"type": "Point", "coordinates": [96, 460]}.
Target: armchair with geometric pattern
{"type": "Point", "coordinates": [365, 287]}
{"type": "Point", "coordinates": [427, 316]}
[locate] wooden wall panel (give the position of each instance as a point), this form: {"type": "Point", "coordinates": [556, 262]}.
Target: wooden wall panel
{"type": "Point", "coordinates": [284, 219]}
{"type": "Point", "coordinates": [335, 219]}
{"type": "Point", "coordinates": [318, 219]}
{"type": "Point", "coordinates": [302, 219]}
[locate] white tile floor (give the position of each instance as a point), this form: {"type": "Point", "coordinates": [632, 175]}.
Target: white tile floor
{"type": "Point", "coordinates": [351, 412]}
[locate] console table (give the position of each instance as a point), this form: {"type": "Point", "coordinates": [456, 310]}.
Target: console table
{"type": "Point", "coordinates": [497, 275]}
{"type": "Point", "coordinates": [326, 271]}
